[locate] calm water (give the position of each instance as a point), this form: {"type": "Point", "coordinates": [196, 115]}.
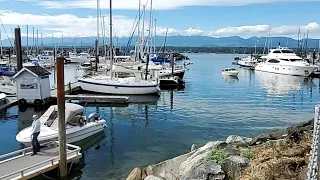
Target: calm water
{"type": "Point", "coordinates": [210, 107]}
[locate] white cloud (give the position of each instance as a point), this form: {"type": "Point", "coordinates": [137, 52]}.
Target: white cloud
{"type": "Point", "coordinates": [263, 30]}
{"type": "Point", "coordinates": [194, 32]}
{"type": "Point", "coordinates": [157, 4]}
{"type": "Point", "coordinates": [73, 26]}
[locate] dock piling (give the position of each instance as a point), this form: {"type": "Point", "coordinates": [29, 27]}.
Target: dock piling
{"type": "Point", "coordinates": [61, 117]}
{"type": "Point", "coordinates": [17, 34]}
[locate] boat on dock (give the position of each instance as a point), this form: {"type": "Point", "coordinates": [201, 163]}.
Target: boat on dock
{"type": "Point", "coordinates": [78, 126]}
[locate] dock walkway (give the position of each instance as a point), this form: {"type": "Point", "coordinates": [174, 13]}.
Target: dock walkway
{"type": "Point", "coordinates": [21, 165]}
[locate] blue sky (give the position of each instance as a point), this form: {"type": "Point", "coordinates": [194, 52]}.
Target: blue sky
{"type": "Point", "coordinates": [217, 18]}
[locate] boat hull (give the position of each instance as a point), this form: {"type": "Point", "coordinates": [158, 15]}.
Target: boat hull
{"type": "Point", "coordinates": [118, 89]}
{"type": "Point", "coordinates": [286, 69]}
{"type": "Point", "coordinates": [230, 73]}
{"type": "Point", "coordinates": [74, 134]}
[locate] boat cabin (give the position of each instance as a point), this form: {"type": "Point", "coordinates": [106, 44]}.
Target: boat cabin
{"type": "Point", "coordinates": [228, 69]}
{"type": "Point", "coordinates": [32, 84]}
{"type": "Point", "coordinates": [73, 116]}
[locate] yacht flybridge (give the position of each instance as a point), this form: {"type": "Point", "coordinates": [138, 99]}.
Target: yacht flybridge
{"type": "Point", "coordinates": [78, 126]}
{"type": "Point", "coordinates": [285, 61]}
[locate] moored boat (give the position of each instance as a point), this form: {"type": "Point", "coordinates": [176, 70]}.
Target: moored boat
{"type": "Point", "coordinates": [78, 126]}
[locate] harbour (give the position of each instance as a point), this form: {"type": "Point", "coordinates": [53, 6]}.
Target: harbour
{"type": "Point", "coordinates": [139, 134]}
{"type": "Point", "coordinates": [118, 90]}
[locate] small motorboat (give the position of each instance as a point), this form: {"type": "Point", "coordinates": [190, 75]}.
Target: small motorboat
{"type": "Point", "coordinates": [230, 72]}
{"type": "Point", "coordinates": [78, 126]}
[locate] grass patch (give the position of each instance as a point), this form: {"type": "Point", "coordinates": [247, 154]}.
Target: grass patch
{"type": "Point", "coordinates": [216, 156]}
{"type": "Point", "coordinates": [246, 152]}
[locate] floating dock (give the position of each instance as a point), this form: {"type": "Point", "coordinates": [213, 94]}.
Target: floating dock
{"type": "Point", "coordinates": [98, 98]}
{"type": "Point", "coordinates": [68, 89]}
{"type": "Point", "coordinates": [20, 164]}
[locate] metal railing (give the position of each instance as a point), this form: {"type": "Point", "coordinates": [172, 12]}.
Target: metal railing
{"type": "Point", "coordinates": [50, 162]}
{"type": "Point", "coordinates": [313, 167]}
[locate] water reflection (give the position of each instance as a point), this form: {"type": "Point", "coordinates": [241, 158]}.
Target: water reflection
{"type": "Point", "coordinates": [279, 84]}
{"type": "Point", "coordinates": [230, 79]}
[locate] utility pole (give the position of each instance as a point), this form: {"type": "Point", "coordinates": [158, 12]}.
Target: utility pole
{"type": "Point", "coordinates": [61, 117]}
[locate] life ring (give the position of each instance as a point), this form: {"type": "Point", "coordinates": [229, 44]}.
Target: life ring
{"type": "Point", "coordinates": [38, 102]}
{"type": "Point", "coordinates": [22, 102]}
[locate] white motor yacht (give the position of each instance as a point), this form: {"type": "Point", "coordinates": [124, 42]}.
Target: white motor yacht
{"type": "Point", "coordinates": [78, 126]}
{"type": "Point", "coordinates": [230, 72]}
{"type": "Point", "coordinates": [285, 61]}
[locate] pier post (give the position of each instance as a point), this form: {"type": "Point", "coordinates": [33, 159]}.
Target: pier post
{"type": "Point", "coordinates": [61, 117]}
{"type": "Point", "coordinates": [17, 34]}
{"type": "Point", "coordinates": [97, 53]}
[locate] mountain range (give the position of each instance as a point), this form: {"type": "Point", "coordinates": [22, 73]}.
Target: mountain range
{"type": "Point", "coordinates": [177, 41]}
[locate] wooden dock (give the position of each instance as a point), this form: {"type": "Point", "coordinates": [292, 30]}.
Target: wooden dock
{"type": "Point", "coordinates": [68, 89]}
{"type": "Point", "coordinates": [99, 98]}
{"type": "Point", "coordinates": [21, 165]}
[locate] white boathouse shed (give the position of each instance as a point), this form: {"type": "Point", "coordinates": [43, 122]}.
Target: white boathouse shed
{"type": "Point", "coordinates": [33, 85]}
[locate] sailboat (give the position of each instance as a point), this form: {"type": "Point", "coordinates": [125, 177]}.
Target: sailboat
{"type": "Point", "coordinates": [114, 85]}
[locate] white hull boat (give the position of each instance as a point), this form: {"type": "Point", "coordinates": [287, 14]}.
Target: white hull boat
{"type": "Point", "coordinates": [6, 85]}
{"type": "Point", "coordinates": [248, 62]}
{"type": "Point", "coordinates": [285, 61]}
{"type": "Point", "coordinates": [229, 72]}
{"type": "Point", "coordinates": [128, 86]}
{"type": "Point", "coordinates": [76, 126]}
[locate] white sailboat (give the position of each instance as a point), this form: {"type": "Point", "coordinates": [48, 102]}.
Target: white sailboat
{"type": "Point", "coordinates": [114, 85]}
{"type": "Point", "coordinates": [78, 127]}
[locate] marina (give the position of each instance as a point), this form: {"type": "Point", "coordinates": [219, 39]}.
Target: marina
{"type": "Point", "coordinates": [154, 129]}
{"type": "Point", "coordinates": [107, 90]}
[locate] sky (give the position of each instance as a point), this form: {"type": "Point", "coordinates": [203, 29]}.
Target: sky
{"type": "Point", "coordinates": [216, 18]}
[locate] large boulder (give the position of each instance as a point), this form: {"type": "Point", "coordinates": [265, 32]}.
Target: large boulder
{"type": "Point", "coordinates": [189, 163]}
{"type": "Point", "coordinates": [238, 140]}
{"type": "Point", "coordinates": [208, 147]}
{"type": "Point", "coordinates": [194, 147]}
{"type": "Point", "coordinates": [135, 174]}
{"type": "Point", "coordinates": [205, 171]}
{"type": "Point", "coordinates": [197, 157]}
{"type": "Point", "coordinates": [152, 177]}
{"type": "Point", "coordinates": [168, 175]}
{"type": "Point", "coordinates": [234, 166]}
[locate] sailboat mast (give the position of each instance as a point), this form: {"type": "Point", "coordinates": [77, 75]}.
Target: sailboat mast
{"type": "Point", "coordinates": [37, 43]}
{"type": "Point", "coordinates": [155, 35]}
{"type": "Point", "coordinates": [139, 37]}
{"type": "Point", "coordinates": [298, 39]}
{"type": "Point", "coordinates": [62, 43]}
{"type": "Point", "coordinates": [111, 48]}
{"type": "Point", "coordinates": [142, 33]}
{"type": "Point", "coordinates": [32, 38]}
{"type": "Point", "coordinates": [27, 40]}
{"type": "Point", "coordinates": [150, 27]}
{"type": "Point", "coordinates": [1, 43]}
{"type": "Point", "coordinates": [104, 37]}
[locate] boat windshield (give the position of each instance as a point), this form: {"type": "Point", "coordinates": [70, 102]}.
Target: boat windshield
{"type": "Point", "coordinates": [293, 60]}
{"type": "Point", "coordinates": [53, 116]}
{"type": "Point", "coordinates": [287, 51]}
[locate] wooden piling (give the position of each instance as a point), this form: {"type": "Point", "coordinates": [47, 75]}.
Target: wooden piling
{"type": "Point", "coordinates": [97, 53]}
{"type": "Point", "coordinates": [61, 116]}
{"type": "Point", "coordinates": [17, 34]}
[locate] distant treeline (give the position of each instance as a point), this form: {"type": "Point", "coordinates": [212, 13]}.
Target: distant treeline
{"type": "Point", "coordinates": [227, 50]}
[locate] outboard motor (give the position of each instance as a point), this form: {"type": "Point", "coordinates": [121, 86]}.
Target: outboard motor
{"type": "Point", "coordinates": [93, 116]}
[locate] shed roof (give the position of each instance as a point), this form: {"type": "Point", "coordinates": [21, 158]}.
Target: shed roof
{"type": "Point", "coordinates": [35, 70]}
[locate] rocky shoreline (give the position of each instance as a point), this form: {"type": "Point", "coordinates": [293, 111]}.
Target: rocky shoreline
{"type": "Point", "coordinates": [239, 158]}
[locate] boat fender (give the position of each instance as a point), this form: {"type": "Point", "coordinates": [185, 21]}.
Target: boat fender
{"type": "Point", "coordinates": [22, 102]}
{"type": "Point", "coordinates": [38, 102]}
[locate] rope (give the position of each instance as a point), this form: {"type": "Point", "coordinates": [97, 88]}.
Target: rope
{"type": "Point", "coordinates": [313, 164]}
